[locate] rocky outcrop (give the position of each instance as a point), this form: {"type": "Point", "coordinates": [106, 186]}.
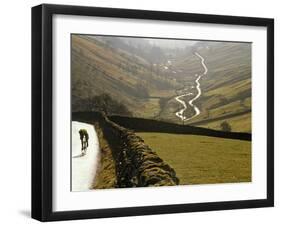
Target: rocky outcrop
{"type": "Point", "coordinates": [135, 163]}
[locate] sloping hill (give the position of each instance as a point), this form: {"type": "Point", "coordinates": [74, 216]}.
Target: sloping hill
{"type": "Point", "coordinates": [226, 89]}
{"type": "Point", "coordinates": [129, 70]}
{"type": "Point", "coordinates": [228, 86]}
{"type": "Point", "coordinates": [98, 68]}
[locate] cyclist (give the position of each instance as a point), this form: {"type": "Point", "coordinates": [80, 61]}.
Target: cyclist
{"type": "Point", "coordinates": [84, 137]}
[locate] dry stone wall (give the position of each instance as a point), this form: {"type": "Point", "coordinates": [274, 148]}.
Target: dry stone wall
{"type": "Point", "coordinates": [136, 164]}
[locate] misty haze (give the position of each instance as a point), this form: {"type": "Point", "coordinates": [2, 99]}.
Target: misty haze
{"type": "Point", "coordinates": [161, 112]}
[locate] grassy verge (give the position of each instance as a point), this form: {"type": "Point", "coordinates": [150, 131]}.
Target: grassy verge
{"type": "Point", "coordinates": [202, 159]}
{"type": "Point", "coordinates": [105, 177]}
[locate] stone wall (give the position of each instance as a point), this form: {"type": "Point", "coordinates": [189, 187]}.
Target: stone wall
{"type": "Point", "coordinates": [150, 125]}
{"type": "Point", "coordinates": [136, 164]}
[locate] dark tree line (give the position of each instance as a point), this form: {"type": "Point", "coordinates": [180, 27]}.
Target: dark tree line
{"type": "Point", "coordinates": [105, 103]}
{"type": "Point", "coordinates": [102, 103]}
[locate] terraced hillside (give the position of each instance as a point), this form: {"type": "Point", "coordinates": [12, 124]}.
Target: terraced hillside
{"type": "Point", "coordinates": [129, 71]}
{"type": "Point", "coordinates": [98, 68]}
{"type": "Point", "coordinates": [226, 89]}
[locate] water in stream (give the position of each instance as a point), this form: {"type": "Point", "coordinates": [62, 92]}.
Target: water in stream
{"type": "Point", "coordinates": [180, 113]}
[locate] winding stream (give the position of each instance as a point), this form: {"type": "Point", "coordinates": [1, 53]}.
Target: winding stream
{"type": "Point", "coordinates": [180, 113]}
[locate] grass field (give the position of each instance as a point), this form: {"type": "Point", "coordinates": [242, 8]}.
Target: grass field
{"type": "Point", "coordinates": [202, 159]}
{"type": "Point", "coordinates": [240, 123]}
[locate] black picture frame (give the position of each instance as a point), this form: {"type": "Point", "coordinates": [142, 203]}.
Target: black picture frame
{"type": "Point", "coordinates": [42, 107]}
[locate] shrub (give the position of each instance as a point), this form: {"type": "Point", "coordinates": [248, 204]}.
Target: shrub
{"type": "Point", "coordinates": [105, 103]}
{"type": "Point", "coordinates": [225, 126]}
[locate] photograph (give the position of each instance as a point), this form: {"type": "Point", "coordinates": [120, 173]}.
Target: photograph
{"type": "Point", "coordinates": [144, 112]}
{"type": "Point", "coordinates": [149, 112]}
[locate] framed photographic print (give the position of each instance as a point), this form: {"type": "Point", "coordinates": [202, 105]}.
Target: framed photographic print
{"type": "Point", "coordinates": [145, 112]}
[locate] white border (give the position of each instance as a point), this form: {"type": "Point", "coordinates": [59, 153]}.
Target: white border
{"type": "Point", "coordinates": [63, 199]}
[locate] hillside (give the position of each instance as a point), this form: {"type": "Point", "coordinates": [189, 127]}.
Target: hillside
{"type": "Point", "coordinates": [98, 68]}
{"type": "Point", "coordinates": [226, 89]}
{"type": "Point", "coordinates": [145, 79]}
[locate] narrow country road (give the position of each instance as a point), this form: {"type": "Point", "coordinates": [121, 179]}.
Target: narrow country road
{"type": "Point", "coordinates": [84, 167]}
{"type": "Point", "coordinates": [180, 113]}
